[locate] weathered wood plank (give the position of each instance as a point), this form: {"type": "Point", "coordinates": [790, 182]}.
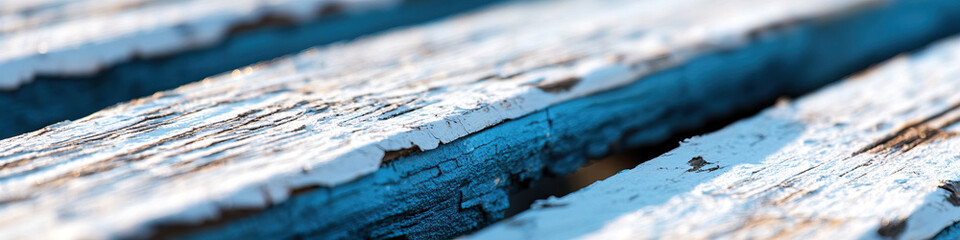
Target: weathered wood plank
{"type": "Point", "coordinates": [319, 125]}
{"type": "Point", "coordinates": [58, 37]}
{"type": "Point", "coordinates": [51, 98]}
{"type": "Point", "coordinates": [872, 157]}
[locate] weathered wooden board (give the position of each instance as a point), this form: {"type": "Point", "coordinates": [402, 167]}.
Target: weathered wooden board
{"type": "Point", "coordinates": [50, 98]}
{"type": "Point", "coordinates": [872, 157]}
{"type": "Point", "coordinates": [60, 37]}
{"type": "Point", "coordinates": [205, 159]}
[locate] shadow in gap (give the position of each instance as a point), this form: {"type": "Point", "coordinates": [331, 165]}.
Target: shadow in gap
{"type": "Point", "coordinates": [655, 182]}
{"type": "Point", "coordinates": [596, 170]}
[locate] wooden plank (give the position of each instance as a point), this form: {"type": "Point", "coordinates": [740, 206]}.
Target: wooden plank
{"type": "Point", "coordinates": [50, 98]}
{"type": "Point", "coordinates": [870, 158]}
{"type": "Point", "coordinates": [577, 82]}
{"type": "Point", "coordinates": [60, 37]}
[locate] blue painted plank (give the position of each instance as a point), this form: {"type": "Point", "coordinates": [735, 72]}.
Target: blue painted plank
{"type": "Point", "coordinates": [426, 196]}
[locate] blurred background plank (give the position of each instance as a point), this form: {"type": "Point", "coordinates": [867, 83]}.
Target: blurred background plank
{"type": "Point", "coordinates": [60, 37]}
{"type": "Point", "coordinates": [187, 45]}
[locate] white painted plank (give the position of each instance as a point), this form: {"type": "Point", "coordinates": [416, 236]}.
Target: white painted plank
{"type": "Point", "coordinates": [54, 97]}
{"type": "Point", "coordinates": [328, 116]}
{"type": "Point", "coordinates": [61, 37]}
{"type": "Point", "coordinates": [869, 158]}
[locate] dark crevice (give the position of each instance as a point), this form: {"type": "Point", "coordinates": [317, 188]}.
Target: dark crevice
{"type": "Point", "coordinates": [562, 85]}
{"type": "Point", "coordinates": [892, 228]}
{"type": "Point", "coordinates": [913, 134]}
{"type": "Point", "coordinates": [953, 190]}
{"type": "Point", "coordinates": [171, 231]}
{"type": "Point", "coordinates": [50, 99]}
{"type": "Point", "coordinates": [599, 169]}
{"type": "Point", "coordinates": [394, 154]}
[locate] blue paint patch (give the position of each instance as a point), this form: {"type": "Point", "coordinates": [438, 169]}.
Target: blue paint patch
{"type": "Point", "coordinates": [950, 233]}
{"type": "Point", "coordinates": [435, 194]}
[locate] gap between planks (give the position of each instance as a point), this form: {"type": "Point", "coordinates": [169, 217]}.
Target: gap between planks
{"type": "Point", "coordinates": [869, 158]}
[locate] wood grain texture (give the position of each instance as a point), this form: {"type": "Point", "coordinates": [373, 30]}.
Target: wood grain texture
{"type": "Point", "coordinates": [319, 125]}
{"type": "Point", "coordinates": [51, 98]}
{"type": "Point", "coordinates": [59, 37]}
{"type": "Point", "coordinates": [872, 157]}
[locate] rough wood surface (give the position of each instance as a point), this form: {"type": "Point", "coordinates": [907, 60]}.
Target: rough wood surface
{"type": "Point", "coordinates": [60, 37]}
{"type": "Point", "coordinates": [872, 157]}
{"type": "Point", "coordinates": [51, 98]}
{"type": "Point", "coordinates": [327, 118]}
